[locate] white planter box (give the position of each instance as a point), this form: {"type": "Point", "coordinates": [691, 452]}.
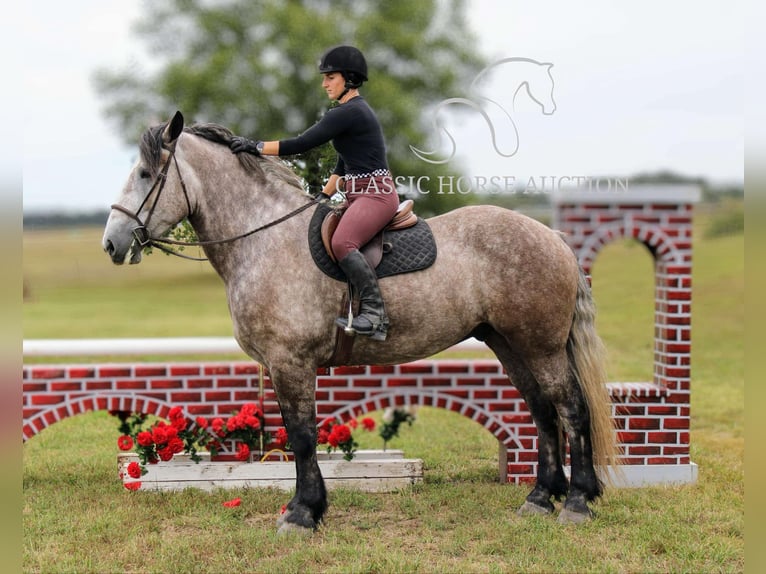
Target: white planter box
{"type": "Point", "coordinates": [369, 471]}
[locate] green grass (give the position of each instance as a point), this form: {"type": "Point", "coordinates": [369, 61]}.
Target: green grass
{"type": "Point", "coordinates": [78, 518]}
{"type": "Point", "coordinates": [74, 291]}
{"type": "Point", "coordinates": [459, 520]}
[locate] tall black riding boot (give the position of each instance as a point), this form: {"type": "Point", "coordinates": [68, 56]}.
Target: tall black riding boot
{"type": "Point", "coordinates": [371, 320]}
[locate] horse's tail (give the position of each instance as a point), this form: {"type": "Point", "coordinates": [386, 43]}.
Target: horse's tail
{"type": "Point", "coordinates": [587, 357]}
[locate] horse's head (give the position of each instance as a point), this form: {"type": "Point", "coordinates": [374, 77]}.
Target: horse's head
{"type": "Point", "coordinates": [153, 199]}
{"type": "Point", "coordinates": [540, 87]}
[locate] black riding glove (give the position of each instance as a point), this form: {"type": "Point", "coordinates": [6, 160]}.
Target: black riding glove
{"type": "Point", "coordinates": [239, 144]}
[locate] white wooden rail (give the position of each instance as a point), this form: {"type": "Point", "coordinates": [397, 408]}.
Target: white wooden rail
{"type": "Point", "coordinates": [152, 346]}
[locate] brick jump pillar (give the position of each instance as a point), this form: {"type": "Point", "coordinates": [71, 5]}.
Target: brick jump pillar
{"type": "Point", "coordinates": [653, 417]}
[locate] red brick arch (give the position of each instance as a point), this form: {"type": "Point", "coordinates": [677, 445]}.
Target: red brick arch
{"type": "Point", "coordinates": [660, 245]}
{"type": "Point", "coordinates": [476, 389]}
{"type": "Point", "coordinates": [502, 431]}
{"type": "Point", "coordinates": [96, 401]}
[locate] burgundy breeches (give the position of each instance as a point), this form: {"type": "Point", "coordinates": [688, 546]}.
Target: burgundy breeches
{"type": "Point", "coordinates": [372, 202]}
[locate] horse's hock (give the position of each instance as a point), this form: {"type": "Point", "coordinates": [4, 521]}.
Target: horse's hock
{"type": "Point", "coordinates": [652, 418]}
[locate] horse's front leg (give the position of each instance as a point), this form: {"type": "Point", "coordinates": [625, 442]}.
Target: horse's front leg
{"type": "Point", "coordinates": [297, 401]}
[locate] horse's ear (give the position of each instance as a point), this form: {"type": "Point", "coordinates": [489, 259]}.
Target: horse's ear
{"type": "Point", "coordinates": [174, 128]}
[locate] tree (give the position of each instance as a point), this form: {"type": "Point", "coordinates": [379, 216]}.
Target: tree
{"type": "Point", "coordinates": [252, 66]}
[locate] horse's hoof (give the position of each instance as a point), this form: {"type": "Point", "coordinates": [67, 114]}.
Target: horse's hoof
{"type": "Point", "coordinates": [286, 527]}
{"type": "Point", "coordinates": [570, 517]}
{"type": "Point", "coordinates": [292, 529]}
{"type": "Point", "coordinates": [531, 509]}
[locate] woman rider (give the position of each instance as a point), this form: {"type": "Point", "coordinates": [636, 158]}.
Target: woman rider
{"type": "Point", "coordinates": [362, 170]}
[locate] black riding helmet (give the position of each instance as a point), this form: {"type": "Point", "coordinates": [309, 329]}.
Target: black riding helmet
{"type": "Point", "coordinates": [347, 60]}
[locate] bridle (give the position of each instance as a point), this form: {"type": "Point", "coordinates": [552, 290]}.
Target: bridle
{"type": "Point", "coordinates": [141, 233]}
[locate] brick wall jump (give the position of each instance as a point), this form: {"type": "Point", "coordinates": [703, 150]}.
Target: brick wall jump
{"type": "Point", "coordinates": [652, 425]}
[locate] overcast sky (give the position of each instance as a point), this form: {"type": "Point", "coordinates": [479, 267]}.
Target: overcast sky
{"type": "Point", "coordinates": [638, 86]}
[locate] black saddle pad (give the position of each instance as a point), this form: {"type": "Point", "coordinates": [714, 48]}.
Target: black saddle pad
{"type": "Point", "coordinates": [405, 250]}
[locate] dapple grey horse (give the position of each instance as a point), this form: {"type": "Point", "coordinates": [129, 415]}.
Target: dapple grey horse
{"type": "Point", "coordinates": [499, 276]}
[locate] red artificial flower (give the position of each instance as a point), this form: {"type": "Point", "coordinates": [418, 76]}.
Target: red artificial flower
{"type": "Point", "coordinates": [218, 427]}
{"type": "Point", "coordinates": [159, 435]}
{"type": "Point", "coordinates": [339, 434]}
{"type": "Point", "coordinates": [322, 436]}
{"type": "Point", "coordinates": [201, 422]}
{"type": "Point", "coordinates": [232, 503]}
{"type": "Point", "coordinates": [353, 423]}
{"type": "Point", "coordinates": [253, 422]}
{"type": "Point", "coordinates": [243, 452]}
{"type": "Point", "coordinates": [171, 432]}
{"type": "Point", "coordinates": [176, 445]}
{"type": "Point", "coordinates": [134, 470]}
{"type": "Point", "coordinates": [125, 442]}
{"type": "Point", "coordinates": [327, 424]}
{"type": "Point", "coordinates": [132, 485]}
{"type": "Point", "coordinates": [144, 438]}
{"type": "Point", "coordinates": [233, 423]}
{"type": "Point", "coordinates": [175, 413]}
{"type": "Point", "coordinates": [281, 437]}
{"type": "Point", "coordinates": [165, 454]}
{"type": "Point", "coordinates": [179, 424]}
{"type": "Point", "coordinates": [368, 424]}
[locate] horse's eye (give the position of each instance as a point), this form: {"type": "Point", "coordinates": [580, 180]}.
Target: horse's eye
{"type": "Point", "coordinates": [144, 174]}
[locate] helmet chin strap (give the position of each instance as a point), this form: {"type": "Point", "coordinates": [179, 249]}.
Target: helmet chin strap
{"type": "Point", "coordinates": [348, 86]}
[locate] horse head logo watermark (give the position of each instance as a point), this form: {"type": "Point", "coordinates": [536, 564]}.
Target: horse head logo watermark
{"type": "Point", "coordinates": [533, 76]}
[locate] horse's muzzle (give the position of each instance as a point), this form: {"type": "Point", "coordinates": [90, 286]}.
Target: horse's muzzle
{"type": "Point", "coordinates": [131, 255]}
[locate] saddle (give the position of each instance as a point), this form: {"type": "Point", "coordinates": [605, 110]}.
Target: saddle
{"type": "Point", "coordinates": [405, 244]}
{"type": "Point", "coordinates": [373, 250]}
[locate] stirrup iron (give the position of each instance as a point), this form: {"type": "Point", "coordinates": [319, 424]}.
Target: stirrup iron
{"type": "Point", "coordinates": [348, 329]}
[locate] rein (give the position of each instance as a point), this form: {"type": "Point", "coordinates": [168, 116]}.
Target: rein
{"type": "Point", "coordinates": [141, 233]}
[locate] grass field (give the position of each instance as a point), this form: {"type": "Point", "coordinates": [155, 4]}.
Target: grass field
{"type": "Point", "coordinates": [78, 518]}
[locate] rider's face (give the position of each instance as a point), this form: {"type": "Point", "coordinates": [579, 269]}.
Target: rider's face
{"type": "Point", "coordinates": [333, 83]}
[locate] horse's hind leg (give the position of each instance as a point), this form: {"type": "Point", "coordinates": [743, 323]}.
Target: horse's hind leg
{"type": "Point", "coordinates": [296, 395]}
{"type": "Point", "coordinates": [557, 381]}
{"type": "Point", "coordinates": [551, 481]}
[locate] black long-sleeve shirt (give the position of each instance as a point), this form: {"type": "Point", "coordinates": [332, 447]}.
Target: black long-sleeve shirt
{"type": "Point", "coordinates": [355, 133]}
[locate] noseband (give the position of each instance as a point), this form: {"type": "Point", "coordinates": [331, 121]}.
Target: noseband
{"type": "Point", "coordinates": [141, 233]}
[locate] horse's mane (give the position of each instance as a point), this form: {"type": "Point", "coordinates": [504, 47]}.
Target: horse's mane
{"type": "Point", "coordinates": [150, 148]}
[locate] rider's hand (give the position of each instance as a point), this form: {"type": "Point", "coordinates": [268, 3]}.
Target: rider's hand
{"type": "Point", "coordinates": [240, 144]}
{"type": "Point", "coordinates": [319, 196]}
